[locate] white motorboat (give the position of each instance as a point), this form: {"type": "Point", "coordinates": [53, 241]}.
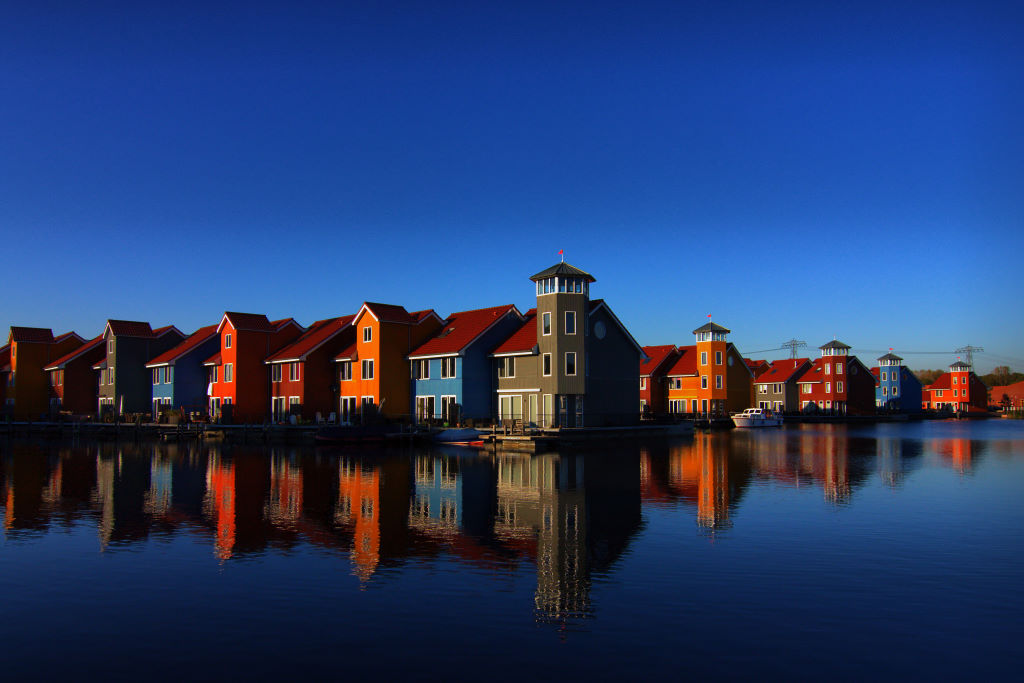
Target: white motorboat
{"type": "Point", "coordinates": [756, 417]}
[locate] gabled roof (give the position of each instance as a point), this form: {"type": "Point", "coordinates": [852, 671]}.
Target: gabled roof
{"type": "Point", "coordinates": [279, 325]}
{"type": "Point", "coordinates": [215, 359]}
{"type": "Point", "coordinates": [256, 322]}
{"type": "Point", "coordinates": [834, 344]}
{"type": "Point", "coordinates": [656, 355]}
{"type": "Point", "coordinates": [686, 365]}
{"type": "Point", "coordinates": [347, 353]}
{"type": "Point", "coordinates": [35, 335]}
{"type": "Point", "coordinates": [597, 304]}
{"type": "Point", "coordinates": [814, 374]}
{"type": "Point", "coordinates": [461, 329]}
{"type": "Point", "coordinates": [387, 313]}
{"type": "Point", "coordinates": [522, 341]}
{"type": "Point", "coordinates": [161, 331]}
{"type": "Point", "coordinates": [128, 328]}
{"type": "Point", "coordinates": [565, 269]}
{"type": "Point", "coordinates": [192, 341]}
{"type": "Point", "coordinates": [67, 358]}
{"type": "Point", "coordinates": [782, 370]}
{"type": "Point", "coordinates": [945, 381]}
{"type": "Point", "coordinates": [711, 327]}
{"type": "Point", "coordinates": [420, 316]}
{"type": "Point", "coordinates": [68, 335]}
{"type": "Point", "coordinates": [318, 334]}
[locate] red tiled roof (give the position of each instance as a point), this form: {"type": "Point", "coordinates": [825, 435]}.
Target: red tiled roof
{"type": "Point", "coordinates": [318, 333]}
{"type": "Point", "coordinates": [278, 324]}
{"type": "Point", "coordinates": [389, 313]}
{"type": "Point", "coordinates": [213, 360]}
{"type": "Point", "coordinates": [814, 374]}
{"type": "Point", "coordinates": [348, 353]}
{"type": "Point", "coordinates": [161, 331]}
{"type": "Point", "coordinates": [944, 381]}
{"type": "Point", "coordinates": [190, 342]}
{"type": "Point", "coordinates": [248, 321]}
{"type": "Point", "coordinates": [1012, 391]}
{"type": "Point", "coordinates": [66, 358]}
{"type": "Point", "coordinates": [66, 335]}
{"type": "Point", "coordinates": [460, 329]}
{"type": "Point", "coordinates": [781, 370]}
{"type": "Point", "coordinates": [523, 339]}
{"type": "Point", "coordinates": [129, 328]}
{"type": "Point", "coordinates": [420, 316]}
{"type": "Point", "coordinates": [686, 366]}
{"type": "Point", "coordinates": [656, 355]}
{"type": "Point", "coordinates": [31, 334]}
{"type": "Point", "coordinates": [755, 364]}
{"type": "Point", "coordinates": [876, 371]}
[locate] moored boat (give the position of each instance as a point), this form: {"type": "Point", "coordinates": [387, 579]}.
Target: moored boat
{"type": "Point", "coordinates": [459, 437]}
{"type": "Point", "coordinates": [756, 417]}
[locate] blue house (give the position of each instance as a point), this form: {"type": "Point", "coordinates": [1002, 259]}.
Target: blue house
{"type": "Point", "coordinates": [452, 372]}
{"type": "Point", "coordinates": [896, 387]}
{"type": "Point", "coordinates": [179, 377]}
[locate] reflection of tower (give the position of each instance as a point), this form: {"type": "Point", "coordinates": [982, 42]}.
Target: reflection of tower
{"type": "Point", "coordinates": [284, 504]}
{"type": "Point", "coordinates": [700, 472]}
{"type": "Point", "coordinates": [161, 484]}
{"type": "Point", "coordinates": [434, 507]}
{"type": "Point", "coordinates": [958, 452]}
{"type": "Point", "coordinates": [359, 505]}
{"type": "Point", "coordinates": [826, 456]}
{"type": "Point", "coordinates": [220, 503]}
{"type": "Point", "coordinates": [103, 496]}
{"type": "Point", "coordinates": [890, 461]}
{"type": "Point", "coordinates": [544, 496]}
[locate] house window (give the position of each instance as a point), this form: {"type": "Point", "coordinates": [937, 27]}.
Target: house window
{"type": "Point", "coordinates": [955, 392]}
{"type": "Point", "coordinates": [229, 372]}
{"type": "Point", "coordinates": [293, 402]}
{"type": "Point", "coordinates": [839, 387]}
{"type": "Point", "coordinates": [938, 393]}
{"type": "Point", "coordinates": [839, 368]}
{"type": "Point", "coordinates": [828, 368]}
{"type": "Point", "coordinates": [60, 377]}
{"type": "Point", "coordinates": [156, 375]}
{"type": "Point", "coordinates": [885, 391]}
{"type": "Point", "coordinates": [213, 374]}
{"type": "Point", "coordinates": [421, 369]}
{"type": "Point", "coordinates": [828, 387]}
{"type": "Point", "coordinates": [777, 388]}
{"type": "Point", "coordinates": [507, 367]}
{"type": "Point", "coordinates": [344, 370]}
{"type": "Point", "coordinates": [762, 388]}
{"type": "Point", "coordinates": [718, 357]}
{"type": "Point", "coordinates": [894, 391]}
{"type": "Point", "coordinates": [570, 363]}
{"type": "Point", "coordinates": [110, 346]}
{"type": "Point", "coordinates": [954, 380]}
{"type": "Point", "coordinates": [703, 381]}
{"type": "Point", "coordinates": [718, 381]}
{"type": "Point", "coordinates": [168, 374]}
{"type": "Point", "coordinates": [643, 383]}
{"type": "Point", "coordinates": [547, 324]}
{"type": "Point", "coordinates": [110, 375]}
{"type": "Point", "coordinates": [367, 334]}
{"type": "Point", "coordinates": [546, 370]}
{"type": "Point", "coordinates": [883, 377]}
{"type": "Point", "coordinates": [678, 381]}
{"type": "Point", "coordinates": [448, 368]}
{"type": "Point", "coordinates": [570, 322]}
{"type": "Point", "coordinates": [275, 372]}
{"type": "Point", "coordinates": [294, 374]}
{"type": "Point", "coordinates": [227, 340]}
{"type": "Point", "coordinates": [806, 388]}
{"type": "Point", "coordinates": [367, 368]}
{"type": "Point", "coordinates": [367, 401]}
{"type": "Point", "coordinates": [703, 357]}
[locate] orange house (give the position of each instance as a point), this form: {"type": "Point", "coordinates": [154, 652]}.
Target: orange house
{"type": "Point", "coordinates": [373, 373]}
{"type": "Point", "coordinates": [28, 394]}
{"type": "Point", "coordinates": [711, 377]}
{"type": "Point", "coordinates": [959, 390]}
{"type": "Point", "coordinates": [237, 375]}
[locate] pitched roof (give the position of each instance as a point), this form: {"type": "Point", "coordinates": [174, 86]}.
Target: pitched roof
{"type": "Point", "coordinates": [68, 335]}
{"type": "Point", "coordinates": [960, 366]}
{"type": "Point", "coordinates": [563, 268]}
{"type": "Point", "coordinates": [387, 313]}
{"type": "Point", "coordinates": [192, 341]}
{"type": "Point", "coordinates": [278, 325]}
{"type": "Point", "coordinates": [656, 355]}
{"type": "Point", "coordinates": [834, 344]}
{"type": "Point", "coordinates": [102, 364]}
{"type": "Point", "coordinates": [686, 365]}
{"type": "Point", "coordinates": [889, 356]}
{"type": "Point", "coordinates": [67, 358]}
{"type": "Point", "coordinates": [347, 353]}
{"type": "Point", "coordinates": [215, 359]}
{"type": "Point", "coordinates": [420, 316]}
{"type": "Point", "coordinates": [814, 374]}
{"type": "Point", "coordinates": [711, 327]}
{"type": "Point", "coordinates": [945, 381]}
{"type": "Point", "coordinates": [781, 370]}
{"type": "Point", "coordinates": [128, 328]}
{"type": "Point", "coordinates": [462, 329]}
{"type": "Point", "coordinates": [318, 333]}
{"type": "Point", "coordinates": [523, 340]}
{"type": "Point", "coordinates": [601, 303]}
{"type": "Point", "coordinates": [248, 321]}
{"type": "Point", "coordinates": [38, 335]}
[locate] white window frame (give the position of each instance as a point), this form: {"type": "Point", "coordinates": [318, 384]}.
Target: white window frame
{"type": "Point", "coordinates": [545, 328]}
{"type": "Point", "coordinates": [156, 376]}
{"type": "Point", "coordinates": [227, 340]}
{"type": "Point", "coordinates": [367, 334]}
{"type": "Point", "coordinates": [718, 357]}
{"type": "Point", "coordinates": [275, 372]}
{"type": "Point", "coordinates": [345, 371]}
{"type": "Point", "coordinates": [545, 365]}
{"type": "Point", "coordinates": [884, 376]}
{"type": "Point", "coordinates": [828, 387]}
{"type": "Point", "coordinates": [718, 382]}
{"type": "Point", "coordinates": [229, 372]}
{"type": "Point", "coordinates": [703, 357]}
{"type": "Point", "coordinates": [507, 367]}
{"type": "Point", "coordinates": [839, 387]}
{"type": "Point", "coordinates": [839, 368]}
{"type": "Point", "coordinates": [214, 374]}
{"type": "Point", "coordinates": [168, 374]}
{"type": "Point", "coordinates": [294, 372]}
{"type": "Point", "coordinates": [703, 381]}
{"type": "Point", "coordinates": [570, 322]}
{"type": "Point", "coordinates": [643, 383]}
{"type": "Point", "coordinates": [448, 367]}
{"type": "Point", "coordinates": [366, 363]}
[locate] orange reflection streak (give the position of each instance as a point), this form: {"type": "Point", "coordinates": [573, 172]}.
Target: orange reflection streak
{"type": "Point", "coordinates": [220, 504]}
{"type": "Point", "coordinates": [957, 453]}
{"type": "Point", "coordinates": [285, 505]}
{"type": "Point", "coordinates": [359, 502]}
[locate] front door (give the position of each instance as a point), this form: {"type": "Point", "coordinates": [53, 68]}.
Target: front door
{"type": "Point", "coordinates": [347, 409]}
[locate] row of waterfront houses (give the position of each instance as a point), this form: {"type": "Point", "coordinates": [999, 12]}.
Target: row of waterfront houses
{"type": "Point", "coordinates": [567, 362]}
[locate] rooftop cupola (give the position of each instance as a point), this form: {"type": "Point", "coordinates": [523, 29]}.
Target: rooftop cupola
{"type": "Point", "coordinates": [834, 348]}
{"type": "Point", "coordinates": [890, 359]}
{"type": "Point", "coordinates": [959, 366]}
{"type": "Point", "coordinates": [562, 278]}
{"type": "Point", "coordinates": [711, 332]}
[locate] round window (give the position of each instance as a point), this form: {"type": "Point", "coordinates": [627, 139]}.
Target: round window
{"type": "Point", "coordinates": [731, 360]}
{"type": "Point", "coordinates": [599, 329]}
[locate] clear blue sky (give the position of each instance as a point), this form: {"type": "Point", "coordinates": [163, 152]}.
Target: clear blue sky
{"type": "Point", "coordinates": [801, 170]}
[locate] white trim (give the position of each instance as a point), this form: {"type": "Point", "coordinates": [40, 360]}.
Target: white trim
{"type": "Point", "coordinates": [148, 365]}
{"type": "Point", "coordinates": [532, 352]}
{"type": "Point", "coordinates": [434, 355]}
{"type": "Point", "coordinates": [513, 391]}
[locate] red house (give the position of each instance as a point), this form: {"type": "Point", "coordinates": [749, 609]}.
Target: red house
{"type": "Point", "coordinates": [238, 376]}
{"type": "Point", "coordinates": [958, 390]}
{"type": "Point", "coordinates": [838, 383]}
{"type": "Point", "coordinates": [654, 380]}
{"type": "Point", "coordinates": [28, 394]}
{"type": "Point", "coordinates": [302, 380]}
{"type": "Point", "coordinates": [73, 382]}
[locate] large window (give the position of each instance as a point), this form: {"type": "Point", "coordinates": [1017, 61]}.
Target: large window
{"type": "Point", "coordinates": [546, 329]}
{"type": "Point", "coordinates": [570, 322]}
{"type": "Point", "coordinates": [448, 368]}
{"type": "Point", "coordinates": [703, 357]}
{"type": "Point", "coordinates": [367, 369]}
{"type": "Point", "coordinates": [294, 373]}
{"type": "Point", "coordinates": [421, 369]}
{"type": "Point", "coordinates": [229, 372]}
{"type": "Point", "coordinates": [507, 367]}
{"type": "Point", "coordinates": [345, 370]}
{"type": "Point", "coordinates": [718, 381]}
{"type": "Point", "coordinates": [227, 341]}
{"type": "Point", "coordinates": [570, 363]}
{"type": "Point", "coordinates": [546, 364]}
{"type": "Point", "coordinates": [275, 372]}
{"type": "Point", "coordinates": [718, 357]}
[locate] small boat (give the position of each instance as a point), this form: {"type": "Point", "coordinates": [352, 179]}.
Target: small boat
{"type": "Point", "coordinates": [459, 437]}
{"type": "Point", "coordinates": [756, 417]}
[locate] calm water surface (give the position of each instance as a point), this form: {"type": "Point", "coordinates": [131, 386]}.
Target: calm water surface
{"type": "Point", "coordinates": [890, 551]}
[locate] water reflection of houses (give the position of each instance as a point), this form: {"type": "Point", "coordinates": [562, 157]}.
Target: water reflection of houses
{"type": "Point", "coordinates": [896, 457]}
{"type": "Point", "coordinates": [580, 512]}
{"type": "Point", "coordinates": [960, 454]}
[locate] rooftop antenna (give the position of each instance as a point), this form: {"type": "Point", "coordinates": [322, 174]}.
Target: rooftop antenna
{"type": "Point", "coordinates": [969, 352]}
{"type": "Point", "coordinates": [793, 345]}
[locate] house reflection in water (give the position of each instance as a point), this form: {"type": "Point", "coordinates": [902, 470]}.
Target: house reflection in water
{"type": "Point", "coordinates": [896, 458]}
{"type": "Point", "coordinates": [359, 508]}
{"type": "Point", "coordinates": [960, 454]}
{"type": "Point", "coordinates": [219, 504]}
